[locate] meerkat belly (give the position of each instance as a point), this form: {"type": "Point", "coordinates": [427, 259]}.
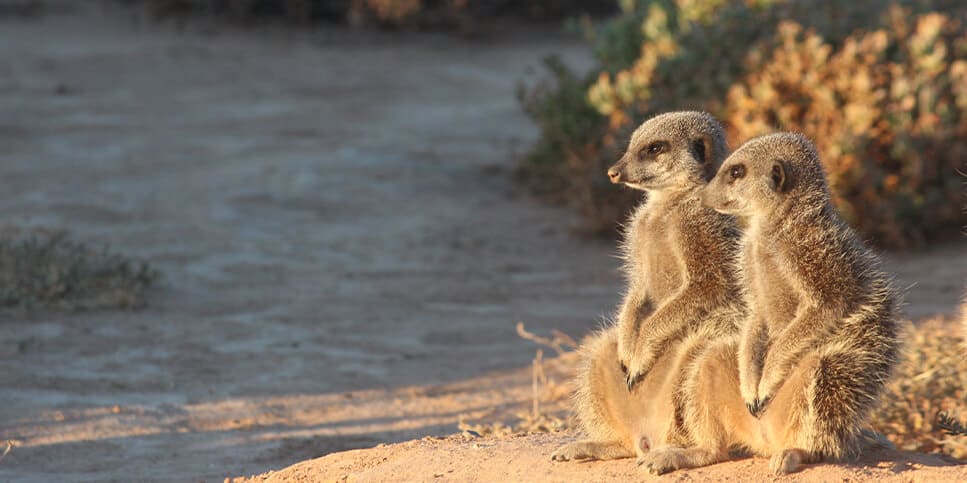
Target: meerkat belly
{"type": "Point", "coordinates": [656, 417]}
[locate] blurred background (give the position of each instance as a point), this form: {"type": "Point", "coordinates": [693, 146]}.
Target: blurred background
{"type": "Point", "coordinates": [242, 233]}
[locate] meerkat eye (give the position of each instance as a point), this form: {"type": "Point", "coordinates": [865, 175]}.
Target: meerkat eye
{"type": "Point", "coordinates": [737, 171]}
{"type": "Point", "coordinates": [653, 149]}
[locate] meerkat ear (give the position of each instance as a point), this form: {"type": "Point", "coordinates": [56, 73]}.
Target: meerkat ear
{"type": "Point", "coordinates": [700, 150]}
{"type": "Point", "coordinates": [778, 175]}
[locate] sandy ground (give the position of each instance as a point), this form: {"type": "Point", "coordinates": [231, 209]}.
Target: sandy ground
{"type": "Point", "coordinates": [527, 458]}
{"type": "Point", "coordinates": [344, 250]}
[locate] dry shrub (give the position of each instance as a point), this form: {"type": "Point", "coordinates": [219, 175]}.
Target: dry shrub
{"type": "Point", "coordinates": [47, 269]}
{"type": "Point", "coordinates": [930, 382]}
{"type": "Point", "coordinates": [887, 110]}
{"type": "Point", "coordinates": [569, 161]}
{"type": "Point", "coordinates": [882, 91]}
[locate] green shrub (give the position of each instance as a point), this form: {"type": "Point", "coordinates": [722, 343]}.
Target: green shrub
{"type": "Point", "coordinates": [569, 161]}
{"type": "Point", "coordinates": [50, 270]}
{"type": "Point", "coordinates": [893, 174]}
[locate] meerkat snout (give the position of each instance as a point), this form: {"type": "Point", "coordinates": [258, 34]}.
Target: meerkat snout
{"type": "Point", "coordinates": [614, 174]}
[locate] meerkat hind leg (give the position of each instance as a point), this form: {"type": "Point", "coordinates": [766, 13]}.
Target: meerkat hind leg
{"type": "Point", "coordinates": [788, 461]}
{"type": "Point", "coordinates": [666, 460]}
{"type": "Point", "coordinates": [587, 449]}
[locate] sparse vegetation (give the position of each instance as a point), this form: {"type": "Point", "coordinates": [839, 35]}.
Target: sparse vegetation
{"type": "Point", "coordinates": [881, 91]}
{"type": "Point", "coordinates": [951, 426]}
{"type": "Point", "coordinates": [49, 270]}
{"type": "Point", "coordinates": [550, 390]}
{"type": "Point", "coordinates": [928, 392]}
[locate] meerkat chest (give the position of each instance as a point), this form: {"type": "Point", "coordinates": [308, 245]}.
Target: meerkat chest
{"type": "Point", "coordinates": [653, 257]}
{"type": "Point", "coordinates": [773, 295]}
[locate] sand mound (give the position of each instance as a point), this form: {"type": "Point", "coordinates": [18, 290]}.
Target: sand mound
{"type": "Point", "coordinates": [527, 458]}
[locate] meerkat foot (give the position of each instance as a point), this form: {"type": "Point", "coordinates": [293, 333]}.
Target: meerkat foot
{"type": "Point", "coordinates": [667, 460]}
{"type": "Point", "coordinates": [787, 461]}
{"type": "Point", "coordinates": [581, 450]}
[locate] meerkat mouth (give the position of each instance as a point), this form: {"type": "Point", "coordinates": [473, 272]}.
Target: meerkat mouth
{"type": "Point", "coordinates": [640, 183]}
{"type": "Point", "coordinates": [728, 207]}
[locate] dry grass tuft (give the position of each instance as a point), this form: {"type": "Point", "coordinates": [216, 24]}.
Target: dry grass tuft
{"type": "Point", "coordinates": [48, 270]}
{"type": "Point", "coordinates": [550, 390]}
{"type": "Point", "coordinates": [929, 391]}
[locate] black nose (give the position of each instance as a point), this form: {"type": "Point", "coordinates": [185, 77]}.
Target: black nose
{"type": "Point", "coordinates": [615, 175]}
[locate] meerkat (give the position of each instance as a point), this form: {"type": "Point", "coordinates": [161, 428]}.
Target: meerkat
{"type": "Point", "coordinates": [821, 335]}
{"type": "Point", "coordinates": [676, 251]}
{"type": "Point", "coordinates": [677, 261]}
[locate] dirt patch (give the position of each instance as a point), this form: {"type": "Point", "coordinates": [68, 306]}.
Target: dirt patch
{"type": "Point", "coordinates": [527, 458]}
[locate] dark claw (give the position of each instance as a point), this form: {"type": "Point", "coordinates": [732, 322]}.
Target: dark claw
{"type": "Point", "coordinates": [763, 403]}
{"type": "Point", "coordinates": [753, 408]}
{"type": "Point", "coordinates": [757, 407]}
{"type": "Point", "coordinates": [632, 381]}
{"type": "Point", "coordinates": [624, 368]}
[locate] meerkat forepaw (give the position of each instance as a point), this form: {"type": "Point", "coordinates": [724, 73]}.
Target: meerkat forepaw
{"type": "Point", "coordinates": [752, 407]}
{"type": "Point", "coordinates": [635, 372]}
{"type": "Point", "coordinates": [764, 403]}
{"type": "Point", "coordinates": [757, 406]}
{"type": "Point", "coordinates": [632, 380]}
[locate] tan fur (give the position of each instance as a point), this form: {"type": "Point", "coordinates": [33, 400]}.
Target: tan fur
{"type": "Point", "coordinates": [820, 338]}
{"type": "Point", "coordinates": [681, 292]}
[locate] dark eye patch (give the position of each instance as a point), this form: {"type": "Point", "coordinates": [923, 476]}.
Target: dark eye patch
{"type": "Point", "coordinates": [737, 171]}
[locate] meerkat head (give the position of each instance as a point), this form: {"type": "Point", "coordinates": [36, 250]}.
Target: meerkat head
{"type": "Point", "coordinates": [676, 150]}
{"type": "Point", "coordinates": [767, 172]}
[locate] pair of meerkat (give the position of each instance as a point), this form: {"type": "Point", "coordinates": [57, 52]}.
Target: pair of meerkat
{"type": "Point", "coordinates": [680, 293]}
{"type": "Point", "coordinates": [818, 335]}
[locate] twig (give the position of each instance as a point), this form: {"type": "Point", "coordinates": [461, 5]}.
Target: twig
{"type": "Point", "coordinates": [950, 425]}
{"type": "Point", "coordinates": [7, 450]}
{"type": "Point", "coordinates": [537, 376]}
{"type": "Point", "coordinates": [559, 341]}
